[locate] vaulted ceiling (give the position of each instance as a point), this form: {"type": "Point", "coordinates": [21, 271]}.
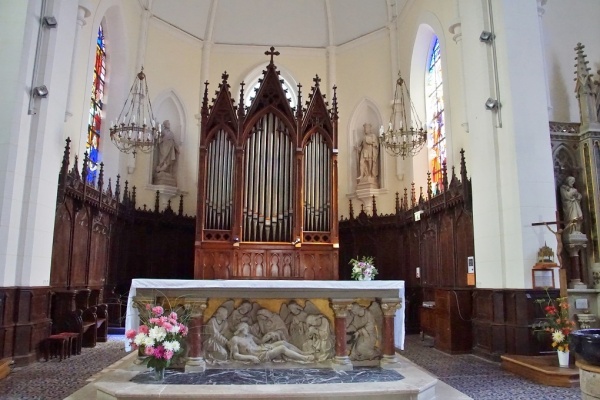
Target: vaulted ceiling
{"type": "Point", "coordinates": [299, 23]}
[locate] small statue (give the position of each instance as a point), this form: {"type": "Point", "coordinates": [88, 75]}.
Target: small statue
{"type": "Point", "coordinates": [368, 152]}
{"type": "Point", "coordinates": [571, 204]}
{"type": "Point", "coordinates": [215, 345]}
{"type": "Point", "coordinates": [165, 172]}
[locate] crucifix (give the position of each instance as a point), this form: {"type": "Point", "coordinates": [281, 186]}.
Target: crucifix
{"type": "Point", "coordinates": [272, 53]}
{"type": "Point", "coordinates": [559, 248]}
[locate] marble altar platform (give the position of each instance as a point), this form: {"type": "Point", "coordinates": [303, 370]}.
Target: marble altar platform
{"type": "Point", "coordinates": [118, 382]}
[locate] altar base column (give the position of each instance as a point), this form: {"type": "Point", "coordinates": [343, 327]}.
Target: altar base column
{"type": "Point", "coordinates": [389, 307]}
{"type": "Point", "coordinates": [341, 361]}
{"type": "Point", "coordinates": [195, 362]}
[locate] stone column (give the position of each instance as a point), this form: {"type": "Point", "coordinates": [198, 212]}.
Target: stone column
{"type": "Point", "coordinates": [195, 362]}
{"type": "Point", "coordinates": [389, 307]}
{"type": "Point", "coordinates": [574, 242]}
{"type": "Point", "coordinates": [341, 362]}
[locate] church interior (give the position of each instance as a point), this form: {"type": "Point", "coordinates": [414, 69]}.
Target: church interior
{"type": "Point", "coordinates": [455, 144]}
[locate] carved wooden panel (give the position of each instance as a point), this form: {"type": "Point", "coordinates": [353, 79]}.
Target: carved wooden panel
{"type": "Point", "coordinates": [99, 250]}
{"type": "Point", "coordinates": [61, 244]}
{"type": "Point", "coordinates": [80, 248]}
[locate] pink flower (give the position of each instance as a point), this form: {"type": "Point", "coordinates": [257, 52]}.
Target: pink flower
{"type": "Point", "coordinates": [149, 350]}
{"type": "Point", "coordinates": [159, 352]}
{"type": "Point", "coordinates": [163, 320]}
{"type": "Point", "coordinates": [167, 326]}
{"type": "Point", "coordinates": [158, 310]}
{"type": "Point", "coordinates": [168, 355]}
{"type": "Point", "coordinates": [148, 307]}
{"type": "Point", "coordinates": [154, 320]}
{"type": "Point", "coordinates": [143, 329]}
{"type": "Point", "coordinates": [130, 334]}
{"type": "Point", "coordinates": [173, 315]}
{"type": "Point", "coordinates": [183, 329]}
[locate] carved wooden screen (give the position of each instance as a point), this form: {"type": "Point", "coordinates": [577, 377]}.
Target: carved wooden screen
{"type": "Point", "coordinates": [267, 185]}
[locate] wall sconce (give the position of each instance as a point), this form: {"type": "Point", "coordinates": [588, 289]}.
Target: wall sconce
{"type": "Point", "coordinates": [491, 104]}
{"type": "Point", "coordinates": [40, 91]}
{"type": "Point", "coordinates": [487, 37]}
{"type": "Point", "coordinates": [50, 22]}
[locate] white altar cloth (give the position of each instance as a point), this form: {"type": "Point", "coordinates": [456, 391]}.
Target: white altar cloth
{"type": "Point", "coordinates": [302, 287]}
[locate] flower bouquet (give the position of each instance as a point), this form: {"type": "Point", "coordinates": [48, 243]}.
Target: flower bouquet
{"type": "Point", "coordinates": [363, 269]}
{"type": "Point", "coordinates": [557, 322]}
{"type": "Point", "coordinates": [160, 337]}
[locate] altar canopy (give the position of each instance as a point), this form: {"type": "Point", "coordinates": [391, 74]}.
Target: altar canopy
{"type": "Point", "coordinates": [273, 289]}
{"type": "Point", "coordinates": [267, 184]}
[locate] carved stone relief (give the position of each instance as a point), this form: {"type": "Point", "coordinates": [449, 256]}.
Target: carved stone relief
{"type": "Point", "coordinates": [363, 331]}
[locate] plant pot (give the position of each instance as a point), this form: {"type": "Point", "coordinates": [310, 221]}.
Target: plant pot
{"type": "Point", "coordinates": [159, 374]}
{"type": "Point", "coordinates": [586, 343]}
{"type": "Point", "coordinates": [563, 358]}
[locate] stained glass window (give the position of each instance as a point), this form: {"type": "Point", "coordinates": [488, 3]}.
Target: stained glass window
{"type": "Point", "coordinates": [434, 90]}
{"type": "Point", "coordinates": [95, 117]}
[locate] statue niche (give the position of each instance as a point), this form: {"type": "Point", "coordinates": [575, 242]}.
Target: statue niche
{"type": "Point", "coordinates": [166, 156]}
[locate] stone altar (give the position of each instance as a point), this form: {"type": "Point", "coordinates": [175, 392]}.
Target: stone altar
{"type": "Point", "coordinates": [320, 324]}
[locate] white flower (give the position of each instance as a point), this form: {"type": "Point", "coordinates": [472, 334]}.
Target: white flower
{"type": "Point", "coordinates": [558, 336]}
{"type": "Point", "coordinates": [148, 342]}
{"type": "Point", "coordinates": [175, 328]}
{"type": "Point", "coordinates": [139, 339]}
{"type": "Point", "coordinates": [172, 345]}
{"type": "Point", "coordinates": [158, 333]}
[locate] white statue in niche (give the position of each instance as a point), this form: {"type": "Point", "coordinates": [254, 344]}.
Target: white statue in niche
{"type": "Point", "coordinates": [363, 325]}
{"type": "Point", "coordinates": [166, 155]}
{"type": "Point", "coordinates": [368, 156]}
{"type": "Point", "coordinates": [571, 204]}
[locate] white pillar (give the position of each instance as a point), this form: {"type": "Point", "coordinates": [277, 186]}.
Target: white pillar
{"type": "Point", "coordinates": [510, 165]}
{"type": "Point", "coordinates": [31, 144]}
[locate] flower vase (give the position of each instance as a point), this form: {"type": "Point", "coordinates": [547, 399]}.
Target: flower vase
{"type": "Point", "coordinates": [563, 358]}
{"type": "Point", "coordinates": [159, 374]}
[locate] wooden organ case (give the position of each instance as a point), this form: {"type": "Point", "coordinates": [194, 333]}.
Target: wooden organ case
{"type": "Point", "coordinates": [267, 185]}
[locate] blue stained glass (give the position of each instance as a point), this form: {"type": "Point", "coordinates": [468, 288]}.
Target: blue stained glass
{"type": "Point", "coordinates": [95, 118]}
{"type": "Point", "coordinates": [434, 104]}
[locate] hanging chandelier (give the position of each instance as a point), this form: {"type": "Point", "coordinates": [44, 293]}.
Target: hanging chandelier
{"type": "Point", "coordinates": [136, 128]}
{"type": "Point", "coordinates": [401, 140]}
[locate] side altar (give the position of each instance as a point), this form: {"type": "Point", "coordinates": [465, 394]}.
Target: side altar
{"type": "Point", "coordinates": [282, 323]}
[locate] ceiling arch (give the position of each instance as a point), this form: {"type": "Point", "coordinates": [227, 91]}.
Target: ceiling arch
{"type": "Point", "coordinates": [308, 23]}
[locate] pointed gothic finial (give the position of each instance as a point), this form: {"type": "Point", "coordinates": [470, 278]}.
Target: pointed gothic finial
{"type": "Point", "coordinates": [180, 206]}
{"type": "Point", "coordinates": [224, 77]}
{"type": "Point", "coordinates": [429, 190]}
{"type": "Point", "coordinates": [397, 203]}
{"type": "Point", "coordinates": [133, 197]}
{"type": "Point", "coordinates": [444, 176]}
{"type": "Point", "coordinates": [241, 111]}
{"type": "Point", "coordinates": [65, 161]}
{"type": "Point", "coordinates": [405, 203]}
{"type": "Point", "coordinates": [334, 101]}
{"type": "Point", "coordinates": [157, 202]}
{"type": "Point", "coordinates": [101, 177]}
{"type": "Point", "coordinates": [299, 103]}
{"type": "Point", "coordinates": [118, 189]}
{"type": "Point", "coordinates": [126, 194]}
{"type": "Point", "coordinates": [84, 170]}
{"type": "Point", "coordinates": [272, 53]}
{"type": "Point", "coordinates": [109, 191]}
{"type": "Point", "coordinates": [463, 166]}
{"type": "Point", "coordinates": [204, 110]}
{"type": "Point", "coordinates": [75, 169]}
{"type": "Point", "coordinates": [351, 211]}
{"type": "Point", "coordinates": [374, 203]}
{"type": "Point", "coordinates": [413, 195]}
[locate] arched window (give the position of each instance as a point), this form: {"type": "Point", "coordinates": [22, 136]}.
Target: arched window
{"type": "Point", "coordinates": [434, 91]}
{"type": "Point", "coordinates": [95, 117]}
